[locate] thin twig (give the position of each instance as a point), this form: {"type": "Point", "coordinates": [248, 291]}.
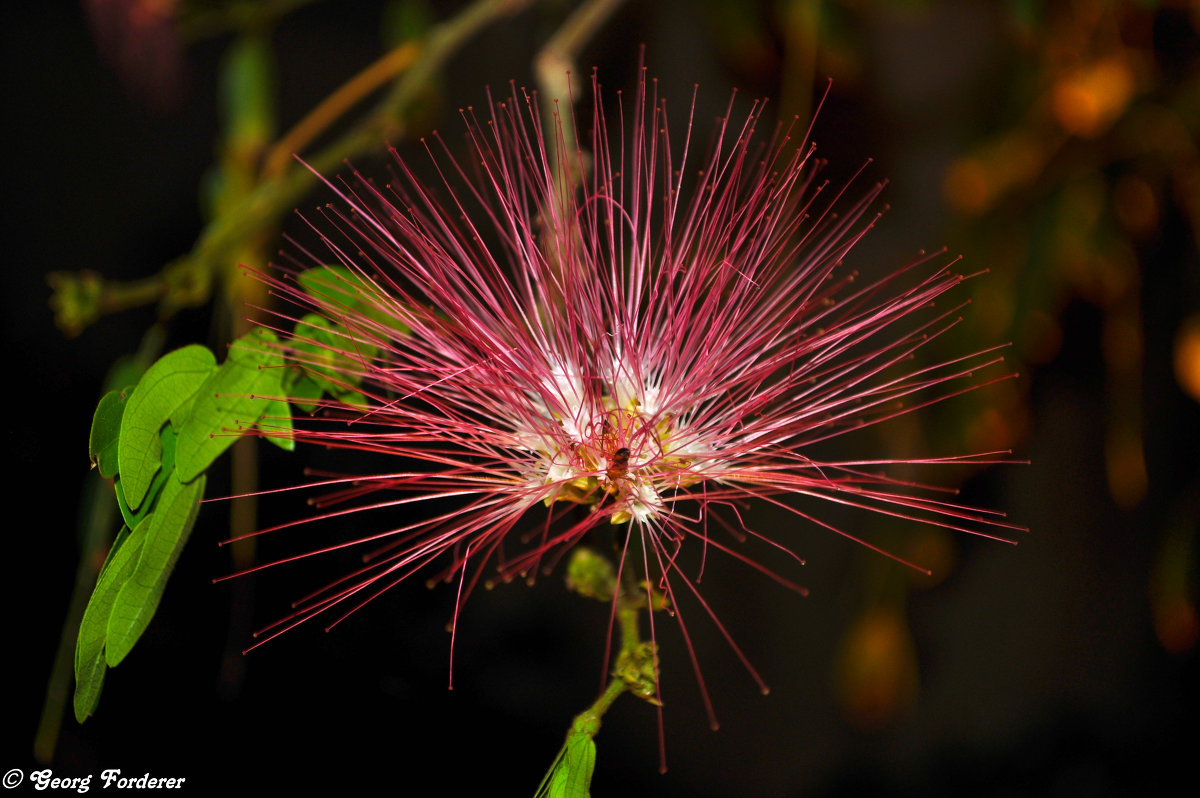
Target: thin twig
{"type": "Point", "coordinates": [555, 63]}
{"type": "Point", "coordinates": [337, 104]}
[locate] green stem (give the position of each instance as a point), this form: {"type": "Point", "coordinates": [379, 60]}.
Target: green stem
{"type": "Point", "coordinates": [554, 65]}
{"type": "Point", "coordinates": [634, 670]}
{"type": "Point", "coordinates": [588, 721]}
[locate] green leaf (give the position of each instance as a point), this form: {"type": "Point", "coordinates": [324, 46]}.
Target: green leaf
{"type": "Point", "coordinates": [167, 530]}
{"type": "Point", "coordinates": [89, 681]}
{"type": "Point", "coordinates": [331, 350]}
{"type": "Point", "coordinates": [331, 358]}
{"type": "Point", "coordinates": [118, 541]}
{"type": "Point", "coordinates": [335, 286]}
{"type": "Point", "coordinates": [165, 386]}
{"type": "Point", "coordinates": [125, 373]}
{"type": "Point", "coordinates": [572, 775]}
{"type": "Point", "coordinates": [276, 424]}
{"type": "Point", "coordinates": [183, 412]}
{"type": "Point", "coordinates": [167, 445]}
{"type": "Point", "coordinates": [234, 397]}
{"type": "Point", "coordinates": [302, 390]}
{"type": "Point", "coordinates": [342, 291]}
{"type": "Point", "coordinates": [354, 399]}
{"type": "Point", "coordinates": [106, 430]}
{"type": "Point", "coordinates": [130, 517]}
{"type": "Point", "coordinates": [90, 663]}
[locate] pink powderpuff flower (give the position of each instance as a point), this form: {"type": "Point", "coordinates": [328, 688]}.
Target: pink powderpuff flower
{"type": "Point", "coordinates": [556, 341]}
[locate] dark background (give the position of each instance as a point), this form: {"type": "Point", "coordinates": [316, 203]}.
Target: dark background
{"type": "Point", "coordinates": [1040, 670]}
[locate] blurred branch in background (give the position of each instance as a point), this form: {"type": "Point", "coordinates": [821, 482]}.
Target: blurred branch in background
{"type": "Point", "coordinates": [81, 298]}
{"type": "Point", "coordinates": [556, 68]}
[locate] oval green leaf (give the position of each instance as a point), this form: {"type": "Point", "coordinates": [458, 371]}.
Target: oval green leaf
{"type": "Point", "coordinates": [90, 663]}
{"type": "Point", "coordinates": [106, 431]}
{"type": "Point", "coordinates": [340, 291]}
{"type": "Point", "coordinates": [331, 358]}
{"type": "Point", "coordinates": [335, 286]}
{"type": "Point", "coordinates": [327, 350]}
{"type": "Point", "coordinates": [167, 531]}
{"type": "Point", "coordinates": [134, 517]}
{"type": "Point", "coordinates": [230, 402]}
{"type": "Point", "coordinates": [166, 385]}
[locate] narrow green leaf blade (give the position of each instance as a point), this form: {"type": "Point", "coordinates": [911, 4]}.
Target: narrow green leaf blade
{"type": "Point", "coordinates": [234, 397]}
{"type": "Point", "coordinates": [90, 663]}
{"type": "Point", "coordinates": [167, 531]}
{"type": "Point", "coordinates": [165, 386]}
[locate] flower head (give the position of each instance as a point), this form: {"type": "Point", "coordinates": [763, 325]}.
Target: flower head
{"type": "Point", "coordinates": [642, 336]}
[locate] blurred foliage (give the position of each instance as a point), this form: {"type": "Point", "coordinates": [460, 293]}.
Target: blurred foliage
{"type": "Point", "coordinates": [877, 671]}
{"type": "Point", "coordinates": [1067, 196]}
{"type": "Point", "coordinates": [1083, 151]}
{"type": "Point", "coordinates": [1070, 196]}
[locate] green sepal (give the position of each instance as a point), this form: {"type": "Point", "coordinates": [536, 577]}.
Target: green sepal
{"type": "Point", "coordinates": [167, 531]}
{"type": "Point", "coordinates": [90, 659]}
{"type": "Point", "coordinates": [166, 385]}
{"type": "Point", "coordinates": [233, 398]}
{"type": "Point", "coordinates": [590, 574]}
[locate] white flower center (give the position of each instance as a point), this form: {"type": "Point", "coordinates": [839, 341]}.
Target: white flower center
{"type": "Point", "coordinates": [613, 450]}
